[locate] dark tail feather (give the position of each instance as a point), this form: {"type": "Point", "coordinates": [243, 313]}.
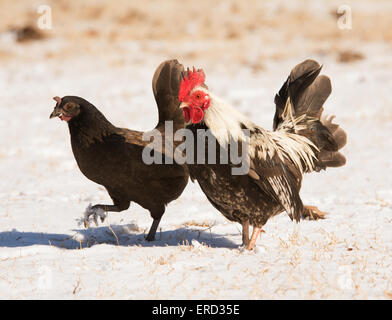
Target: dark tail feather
{"type": "Point", "coordinates": [301, 87]}
{"type": "Point", "coordinates": [305, 93]}
{"type": "Point", "coordinates": [332, 158]}
{"type": "Point", "coordinates": [338, 133]}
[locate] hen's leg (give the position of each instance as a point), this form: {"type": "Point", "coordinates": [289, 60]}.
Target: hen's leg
{"type": "Point", "coordinates": [245, 233]}
{"type": "Point", "coordinates": [156, 213]}
{"type": "Point", "coordinates": [312, 213]}
{"type": "Point", "coordinates": [252, 242]}
{"type": "Point", "coordinates": [153, 230]}
{"type": "Point", "coordinates": [99, 210]}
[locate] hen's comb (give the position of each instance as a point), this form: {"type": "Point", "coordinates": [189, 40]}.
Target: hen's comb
{"type": "Point", "coordinates": [57, 99]}
{"type": "Point", "coordinates": [189, 81]}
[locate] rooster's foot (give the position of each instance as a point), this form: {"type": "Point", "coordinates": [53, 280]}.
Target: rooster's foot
{"type": "Point", "coordinates": [313, 213]}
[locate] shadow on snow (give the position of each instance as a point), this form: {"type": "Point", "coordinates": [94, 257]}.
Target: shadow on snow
{"type": "Point", "coordinates": [122, 235]}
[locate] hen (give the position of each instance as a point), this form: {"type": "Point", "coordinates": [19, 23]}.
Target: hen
{"type": "Point", "coordinates": [112, 156]}
{"type": "Point", "coordinates": [302, 141]}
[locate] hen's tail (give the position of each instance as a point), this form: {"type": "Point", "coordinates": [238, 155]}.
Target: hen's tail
{"type": "Point", "coordinates": [299, 108]}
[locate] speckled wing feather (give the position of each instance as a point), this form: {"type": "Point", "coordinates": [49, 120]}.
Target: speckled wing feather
{"type": "Point", "coordinates": [279, 182]}
{"type": "Point", "coordinates": [165, 86]}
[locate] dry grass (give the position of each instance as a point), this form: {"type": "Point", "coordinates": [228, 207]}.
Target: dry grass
{"type": "Point", "coordinates": [202, 224]}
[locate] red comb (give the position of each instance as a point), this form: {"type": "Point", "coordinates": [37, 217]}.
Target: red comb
{"type": "Point", "coordinates": [191, 80]}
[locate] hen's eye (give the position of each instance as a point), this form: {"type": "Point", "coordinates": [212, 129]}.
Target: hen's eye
{"type": "Point", "coordinates": [67, 106]}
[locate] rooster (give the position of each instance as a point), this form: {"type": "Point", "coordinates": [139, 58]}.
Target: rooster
{"type": "Point", "coordinates": [112, 156]}
{"type": "Point", "coordinates": [303, 140]}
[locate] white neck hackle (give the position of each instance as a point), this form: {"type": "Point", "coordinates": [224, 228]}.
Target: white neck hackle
{"type": "Point", "coordinates": [224, 121]}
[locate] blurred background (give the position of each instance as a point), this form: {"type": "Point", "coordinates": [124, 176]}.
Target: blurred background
{"type": "Point", "coordinates": [247, 33]}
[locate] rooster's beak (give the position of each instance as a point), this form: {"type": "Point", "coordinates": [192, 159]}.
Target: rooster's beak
{"type": "Point", "coordinates": [183, 105]}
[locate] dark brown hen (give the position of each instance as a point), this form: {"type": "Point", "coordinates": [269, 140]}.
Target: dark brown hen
{"type": "Point", "coordinates": [302, 141]}
{"type": "Point", "coordinates": [112, 156]}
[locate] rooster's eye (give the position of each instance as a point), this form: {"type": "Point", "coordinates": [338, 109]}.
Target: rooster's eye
{"type": "Point", "coordinates": [198, 96]}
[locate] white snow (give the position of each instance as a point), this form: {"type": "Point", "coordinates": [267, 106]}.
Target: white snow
{"type": "Point", "coordinates": [44, 253]}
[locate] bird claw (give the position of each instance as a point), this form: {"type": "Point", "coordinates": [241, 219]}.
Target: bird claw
{"type": "Point", "coordinates": [242, 248]}
{"type": "Point", "coordinates": [313, 213]}
{"type": "Point", "coordinates": [92, 214]}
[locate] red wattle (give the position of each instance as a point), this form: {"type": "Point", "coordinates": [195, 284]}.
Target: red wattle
{"type": "Point", "coordinates": [197, 114]}
{"type": "Point", "coordinates": [65, 118]}
{"type": "Point", "coordinates": [187, 114]}
{"type": "Point", "coordinates": [194, 114]}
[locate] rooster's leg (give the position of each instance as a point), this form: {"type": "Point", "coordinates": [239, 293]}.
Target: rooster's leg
{"type": "Point", "coordinates": [153, 230]}
{"type": "Point", "coordinates": [245, 233]}
{"type": "Point", "coordinates": [252, 242]}
{"type": "Point", "coordinates": [312, 213]}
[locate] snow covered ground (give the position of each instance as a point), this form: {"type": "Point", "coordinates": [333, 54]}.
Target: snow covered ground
{"type": "Point", "coordinates": [44, 253]}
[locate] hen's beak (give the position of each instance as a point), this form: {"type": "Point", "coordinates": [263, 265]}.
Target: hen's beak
{"type": "Point", "coordinates": [56, 113]}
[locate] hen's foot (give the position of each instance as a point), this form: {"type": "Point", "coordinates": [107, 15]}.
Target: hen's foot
{"type": "Point", "coordinates": [313, 213]}
{"type": "Point", "coordinates": [91, 214]}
